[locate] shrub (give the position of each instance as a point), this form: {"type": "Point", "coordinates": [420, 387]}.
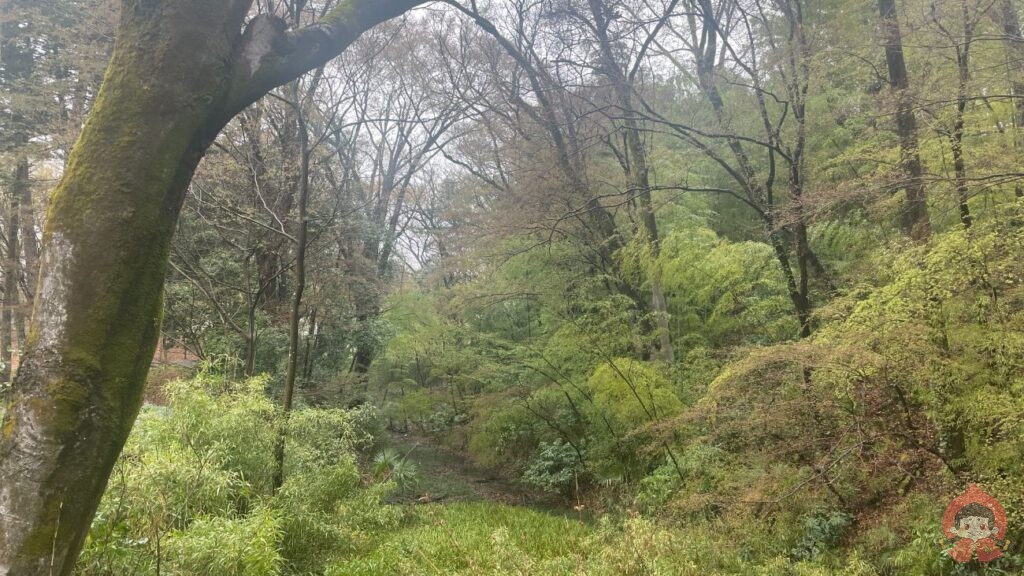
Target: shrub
{"type": "Point", "coordinates": [628, 397]}
{"type": "Point", "coordinates": [192, 493]}
{"type": "Point", "coordinates": [390, 465]}
{"type": "Point", "coordinates": [821, 531]}
{"type": "Point", "coordinates": [244, 546]}
{"type": "Point", "coordinates": [555, 468]}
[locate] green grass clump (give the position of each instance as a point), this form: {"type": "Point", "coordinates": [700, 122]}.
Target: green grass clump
{"type": "Point", "coordinates": [474, 538]}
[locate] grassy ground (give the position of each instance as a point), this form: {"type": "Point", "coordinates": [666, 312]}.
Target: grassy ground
{"type": "Point", "coordinates": [460, 520]}
{"type": "Point", "coordinates": [471, 538]}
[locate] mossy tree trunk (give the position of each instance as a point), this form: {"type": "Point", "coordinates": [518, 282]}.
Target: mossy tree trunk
{"type": "Point", "coordinates": [12, 315]}
{"type": "Point", "coordinates": [180, 70]}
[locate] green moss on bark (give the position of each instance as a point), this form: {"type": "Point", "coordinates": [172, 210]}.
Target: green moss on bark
{"type": "Point", "coordinates": [167, 92]}
{"type": "Point", "coordinates": [106, 245]}
{"type": "Point", "coordinates": [8, 428]}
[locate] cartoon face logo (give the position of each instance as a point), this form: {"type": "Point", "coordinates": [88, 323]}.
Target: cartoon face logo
{"type": "Point", "coordinates": [976, 522]}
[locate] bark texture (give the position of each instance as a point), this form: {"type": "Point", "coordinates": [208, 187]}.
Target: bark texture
{"type": "Point", "coordinates": [181, 69]}
{"type": "Point", "coordinates": [12, 314]}
{"type": "Point", "coordinates": [962, 46]}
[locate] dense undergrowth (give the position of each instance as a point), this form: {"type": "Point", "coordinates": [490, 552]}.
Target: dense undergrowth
{"type": "Point", "coordinates": [832, 455]}
{"type": "Point", "coordinates": [192, 491]}
{"type": "Point", "coordinates": [753, 451]}
{"type": "Point", "coordinates": [191, 496]}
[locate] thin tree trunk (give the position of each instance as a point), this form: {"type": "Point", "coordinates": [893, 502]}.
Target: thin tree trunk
{"type": "Point", "coordinates": [307, 354]}
{"type": "Point", "coordinates": [363, 356]}
{"type": "Point", "coordinates": [1013, 40]}
{"type": "Point", "coordinates": [797, 87]}
{"type": "Point", "coordinates": [956, 139]}
{"type": "Point", "coordinates": [250, 340]}
{"type": "Point", "coordinates": [5, 334]}
{"type": "Point", "coordinates": [14, 254]}
{"type": "Point", "coordinates": [180, 70]}
{"type": "Point", "coordinates": [757, 193]}
{"type": "Point", "coordinates": [12, 314]}
{"type": "Point", "coordinates": [801, 306]}
{"type": "Point", "coordinates": [637, 171]}
{"type": "Point", "coordinates": [956, 134]}
{"type": "Point", "coordinates": [914, 215]}
{"type": "Point", "coordinates": [299, 271]}
{"type": "Point", "coordinates": [249, 337]}
{"type": "Point", "coordinates": [28, 241]}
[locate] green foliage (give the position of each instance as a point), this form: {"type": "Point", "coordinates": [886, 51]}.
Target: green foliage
{"type": "Point", "coordinates": [555, 468]}
{"type": "Point", "coordinates": [323, 436]}
{"type": "Point", "coordinates": [697, 470]}
{"type": "Point", "coordinates": [504, 433]}
{"type": "Point", "coordinates": [627, 398]}
{"type": "Point", "coordinates": [752, 453]}
{"type": "Point", "coordinates": [821, 531]}
{"type": "Point", "coordinates": [526, 338]}
{"type": "Point", "coordinates": [632, 393]}
{"type": "Point", "coordinates": [724, 293]}
{"type": "Point", "coordinates": [247, 546]}
{"type": "Point", "coordinates": [657, 488]}
{"type": "Point", "coordinates": [191, 493]}
{"type": "Point", "coordinates": [487, 538]}
{"type": "Point", "coordinates": [390, 465]}
{"type": "Point", "coordinates": [470, 539]}
{"type": "Point", "coordinates": [233, 422]}
{"type": "Point", "coordinates": [903, 380]}
{"type": "Point", "coordinates": [912, 377]}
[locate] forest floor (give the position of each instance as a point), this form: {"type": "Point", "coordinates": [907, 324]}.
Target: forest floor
{"type": "Point", "coordinates": [460, 520]}
{"type": "Point", "coordinates": [445, 476]}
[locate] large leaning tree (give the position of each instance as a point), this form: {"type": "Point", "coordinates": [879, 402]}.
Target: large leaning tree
{"type": "Point", "coordinates": [180, 70]}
